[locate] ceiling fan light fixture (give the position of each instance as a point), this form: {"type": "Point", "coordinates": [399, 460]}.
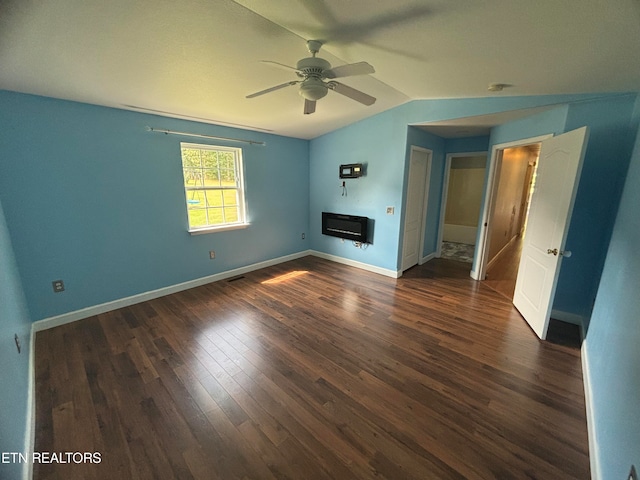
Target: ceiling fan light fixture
{"type": "Point", "coordinates": [313, 89]}
{"type": "Point", "coordinates": [316, 77]}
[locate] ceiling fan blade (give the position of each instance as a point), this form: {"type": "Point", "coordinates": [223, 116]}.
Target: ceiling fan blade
{"type": "Point", "coordinates": [309, 106]}
{"type": "Point", "coordinates": [360, 68]}
{"type": "Point", "coordinates": [273, 89]}
{"type": "Point", "coordinates": [352, 93]}
{"type": "Point", "coordinates": [279, 65]}
{"type": "Point", "coordinates": [320, 11]}
{"type": "Point", "coordinates": [335, 32]}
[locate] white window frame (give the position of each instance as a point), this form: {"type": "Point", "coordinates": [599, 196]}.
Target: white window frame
{"type": "Point", "coordinates": [240, 187]}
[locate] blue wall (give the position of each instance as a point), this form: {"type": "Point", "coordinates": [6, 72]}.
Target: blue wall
{"type": "Point", "coordinates": [549, 122]}
{"type": "Point", "coordinates": [94, 199]}
{"type": "Point", "coordinates": [611, 349]}
{"type": "Point", "coordinates": [467, 144]}
{"type": "Point", "coordinates": [382, 142]}
{"type": "Point", "coordinates": [611, 135]}
{"type": "Point", "coordinates": [14, 373]}
{"type": "Point", "coordinates": [422, 111]}
{"type": "Point", "coordinates": [379, 142]}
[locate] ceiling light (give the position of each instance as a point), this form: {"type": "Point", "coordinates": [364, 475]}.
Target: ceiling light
{"type": "Point", "coordinates": [313, 89]}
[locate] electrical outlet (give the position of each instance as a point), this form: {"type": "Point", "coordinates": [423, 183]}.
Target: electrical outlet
{"type": "Point", "coordinates": [58, 286]}
{"type": "Point", "coordinates": [212, 254]}
{"type": "Point", "coordinates": [17, 339]}
{"type": "Point", "coordinates": [390, 210]}
{"type": "Point", "coordinates": [303, 235]}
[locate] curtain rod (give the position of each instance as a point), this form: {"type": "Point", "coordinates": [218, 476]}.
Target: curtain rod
{"type": "Point", "coordinates": [200, 135]}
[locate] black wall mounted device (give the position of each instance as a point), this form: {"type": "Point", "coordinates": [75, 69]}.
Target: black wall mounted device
{"type": "Point", "coordinates": [350, 227]}
{"type": "Point", "coordinates": [351, 170]}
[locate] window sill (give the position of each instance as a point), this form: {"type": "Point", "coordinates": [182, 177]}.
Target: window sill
{"type": "Point", "coordinates": [224, 228]}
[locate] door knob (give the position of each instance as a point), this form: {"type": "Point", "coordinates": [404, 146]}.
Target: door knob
{"type": "Point", "coordinates": [552, 252]}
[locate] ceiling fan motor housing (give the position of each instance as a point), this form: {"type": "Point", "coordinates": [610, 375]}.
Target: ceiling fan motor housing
{"type": "Point", "coordinates": [313, 66]}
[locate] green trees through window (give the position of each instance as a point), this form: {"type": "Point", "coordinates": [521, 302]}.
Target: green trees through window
{"type": "Point", "coordinates": [213, 184]}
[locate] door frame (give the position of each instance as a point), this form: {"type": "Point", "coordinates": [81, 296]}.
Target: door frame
{"type": "Point", "coordinates": [445, 192]}
{"type": "Point", "coordinates": [491, 191]}
{"type": "Point", "coordinates": [425, 202]}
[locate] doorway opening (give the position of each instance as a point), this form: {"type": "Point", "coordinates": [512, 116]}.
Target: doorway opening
{"type": "Point", "coordinates": [547, 222]}
{"type": "Point", "coordinates": [499, 201]}
{"type": "Point", "coordinates": [460, 208]}
{"type": "Point", "coordinates": [515, 177]}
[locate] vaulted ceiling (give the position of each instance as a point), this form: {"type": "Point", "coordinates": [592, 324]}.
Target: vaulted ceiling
{"type": "Point", "coordinates": [199, 59]}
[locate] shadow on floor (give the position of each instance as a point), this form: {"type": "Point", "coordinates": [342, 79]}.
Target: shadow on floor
{"type": "Point", "coordinates": [563, 333]}
{"type": "Point", "coordinates": [439, 268]}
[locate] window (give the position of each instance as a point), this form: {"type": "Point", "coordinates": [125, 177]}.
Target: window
{"type": "Point", "coordinates": [214, 187]}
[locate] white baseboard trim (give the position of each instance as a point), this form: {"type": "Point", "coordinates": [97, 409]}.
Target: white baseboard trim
{"type": "Point", "coordinates": [502, 250]}
{"type": "Point", "coordinates": [425, 259]}
{"type": "Point", "coordinates": [573, 318]}
{"type": "Point", "coordinates": [65, 318]}
{"type": "Point", "coordinates": [588, 400]}
{"type": "Point", "coordinates": [69, 317]}
{"type": "Point", "coordinates": [354, 263]}
{"type": "Point", "coordinates": [30, 428]}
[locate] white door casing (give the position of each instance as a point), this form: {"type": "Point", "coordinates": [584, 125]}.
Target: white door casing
{"type": "Point", "coordinates": [482, 248]}
{"type": "Point", "coordinates": [415, 206]}
{"type": "Point", "coordinates": [558, 174]}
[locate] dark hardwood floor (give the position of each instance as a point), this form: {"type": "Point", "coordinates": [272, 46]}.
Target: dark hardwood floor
{"type": "Point", "coordinates": [501, 277]}
{"type": "Point", "coordinates": [313, 370]}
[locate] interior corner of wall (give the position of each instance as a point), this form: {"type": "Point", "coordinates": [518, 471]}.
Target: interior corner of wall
{"type": "Point", "coordinates": [569, 317]}
{"type": "Point", "coordinates": [635, 115]}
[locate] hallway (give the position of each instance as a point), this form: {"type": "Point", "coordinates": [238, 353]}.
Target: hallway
{"type": "Point", "coordinates": [502, 273]}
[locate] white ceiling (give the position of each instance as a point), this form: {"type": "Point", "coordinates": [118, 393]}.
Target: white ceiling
{"type": "Point", "coordinates": [479, 125]}
{"type": "Point", "coordinates": [200, 58]}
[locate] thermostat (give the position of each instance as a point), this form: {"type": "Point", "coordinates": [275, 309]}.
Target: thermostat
{"type": "Point", "coordinates": [352, 170]}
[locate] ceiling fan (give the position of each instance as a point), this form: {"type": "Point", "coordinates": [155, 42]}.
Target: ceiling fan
{"type": "Point", "coordinates": [317, 78]}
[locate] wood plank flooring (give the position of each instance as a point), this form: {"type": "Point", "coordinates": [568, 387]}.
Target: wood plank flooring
{"type": "Point", "coordinates": [313, 370]}
{"type": "Point", "coordinates": [502, 274]}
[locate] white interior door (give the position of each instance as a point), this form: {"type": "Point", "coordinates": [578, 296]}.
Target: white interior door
{"type": "Point", "coordinates": [557, 179]}
{"type": "Point", "coordinates": [417, 187]}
